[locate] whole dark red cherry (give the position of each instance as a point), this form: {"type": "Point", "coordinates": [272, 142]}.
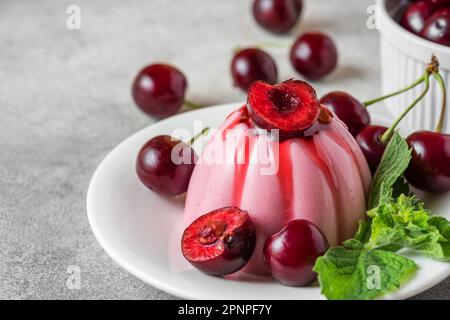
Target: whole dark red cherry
{"type": "Point", "coordinates": [416, 15]}
{"type": "Point", "coordinates": [348, 109]}
{"type": "Point", "coordinates": [437, 27]}
{"type": "Point", "coordinates": [249, 65]}
{"type": "Point", "coordinates": [429, 169]}
{"type": "Point", "coordinates": [314, 55]}
{"type": "Point", "coordinates": [165, 164]}
{"type": "Point", "coordinates": [291, 253]}
{"type": "Point", "coordinates": [277, 16]}
{"type": "Point", "coordinates": [369, 141]}
{"type": "Point", "coordinates": [219, 242]}
{"type": "Point", "coordinates": [159, 90]}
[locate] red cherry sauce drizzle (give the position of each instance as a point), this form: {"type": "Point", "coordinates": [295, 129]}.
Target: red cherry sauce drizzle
{"type": "Point", "coordinates": [285, 178]}
{"type": "Point", "coordinates": [241, 161]}
{"type": "Point", "coordinates": [243, 117]}
{"type": "Point", "coordinates": [241, 168]}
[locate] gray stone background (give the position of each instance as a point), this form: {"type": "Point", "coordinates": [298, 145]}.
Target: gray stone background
{"type": "Point", "coordinates": [65, 102]}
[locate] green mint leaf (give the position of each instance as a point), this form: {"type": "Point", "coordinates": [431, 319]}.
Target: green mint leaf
{"type": "Point", "coordinates": [345, 273]}
{"type": "Point", "coordinates": [363, 232]}
{"type": "Point", "coordinates": [353, 244]}
{"type": "Point", "coordinates": [443, 225]}
{"type": "Point", "coordinates": [393, 164]}
{"type": "Point", "coordinates": [404, 223]}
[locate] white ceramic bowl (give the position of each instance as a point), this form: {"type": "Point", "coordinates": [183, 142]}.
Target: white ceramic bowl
{"type": "Point", "coordinates": [404, 57]}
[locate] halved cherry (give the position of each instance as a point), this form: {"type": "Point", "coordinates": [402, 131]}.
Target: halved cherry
{"type": "Point", "coordinates": [291, 106]}
{"type": "Point", "coordinates": [220, 242]}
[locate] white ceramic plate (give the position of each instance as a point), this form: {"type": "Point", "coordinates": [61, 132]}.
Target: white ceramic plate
{"type": "Point", "coordinates": [141, 230]}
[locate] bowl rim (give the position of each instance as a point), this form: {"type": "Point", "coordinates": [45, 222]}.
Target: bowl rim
{"type": "Point", "coordinates": [402, 38]}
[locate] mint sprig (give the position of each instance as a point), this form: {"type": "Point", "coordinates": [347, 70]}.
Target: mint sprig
{"type": "Point", "coordinates": [395, 220]}
{"type": "Point", "coordinates": [352, 273]}
{"type": "Point", "coordinates": [393, 164]}
{"type": "Point", "coordinates": [406, 224]}
{"type": "Point", "coordinates": [388, 180]}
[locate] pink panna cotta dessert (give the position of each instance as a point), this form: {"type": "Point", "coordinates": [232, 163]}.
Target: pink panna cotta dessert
{"type": "Point", "coordinates": [320, 175]}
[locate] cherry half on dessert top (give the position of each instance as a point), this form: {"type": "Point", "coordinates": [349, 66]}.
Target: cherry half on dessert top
{"type": "Point", "coordinates": [291, 106]}
{"type": "Point", "coordinates": [252, 64]}
{"type": "Point", "coordinates": [277, 16]}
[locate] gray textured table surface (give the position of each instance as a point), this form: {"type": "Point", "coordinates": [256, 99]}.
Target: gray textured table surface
{"type": "Point", "coordinates": [65, 102]}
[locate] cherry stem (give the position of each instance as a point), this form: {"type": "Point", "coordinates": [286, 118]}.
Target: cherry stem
{"type": "Point", "coordinates": [388, 134]}
{"type": "Point", "coordinates": [441, 83]}
{"type": "Point", "coordinates": [198, 135]}
{"type": "Point", "coordinates": [412, 85]}
{"type": "Point", "coordinates": [191, 105]}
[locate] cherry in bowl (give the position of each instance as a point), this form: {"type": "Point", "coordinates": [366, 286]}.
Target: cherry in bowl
{"type": "Point", "coordinates": [159, 90]}
{"type": "Point", "coordinates": [252, 64]}
{"type": "Point", "coordinates": [291, 253]}
{"type": "Point", "coordinates": [220, 242]}
{"type": "Point", "coordinates": [437, 27]}
{"type": "Point", "coordinates": [416, 15]}
{"type": "Point", "coordinates": [164, 164]}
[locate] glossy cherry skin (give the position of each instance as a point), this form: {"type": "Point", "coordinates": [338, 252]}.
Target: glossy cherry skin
{"type": "Point", "coordinates": [348, 109]}
{"type": "Point", "coordinates": [437, 27]}
{"type": "Point", "coordinates": [159, 90]}
{"type": "Point", "coordinates": [314, 55]}
{"type": "Point", "coordinates": [416, 15]}
{"type": "Point", "coordinates": [369, 141]}
{"type": "Point", "coordinates": [277, 16]}
{"type": "Point", "coordinates": [429, 169]}
{"type": "Point", "coordinates": [249, 65]}
{"type": "Point", "coordinates": [165, 164]}
{"type": "Point", "coordinates": [291, 253]}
